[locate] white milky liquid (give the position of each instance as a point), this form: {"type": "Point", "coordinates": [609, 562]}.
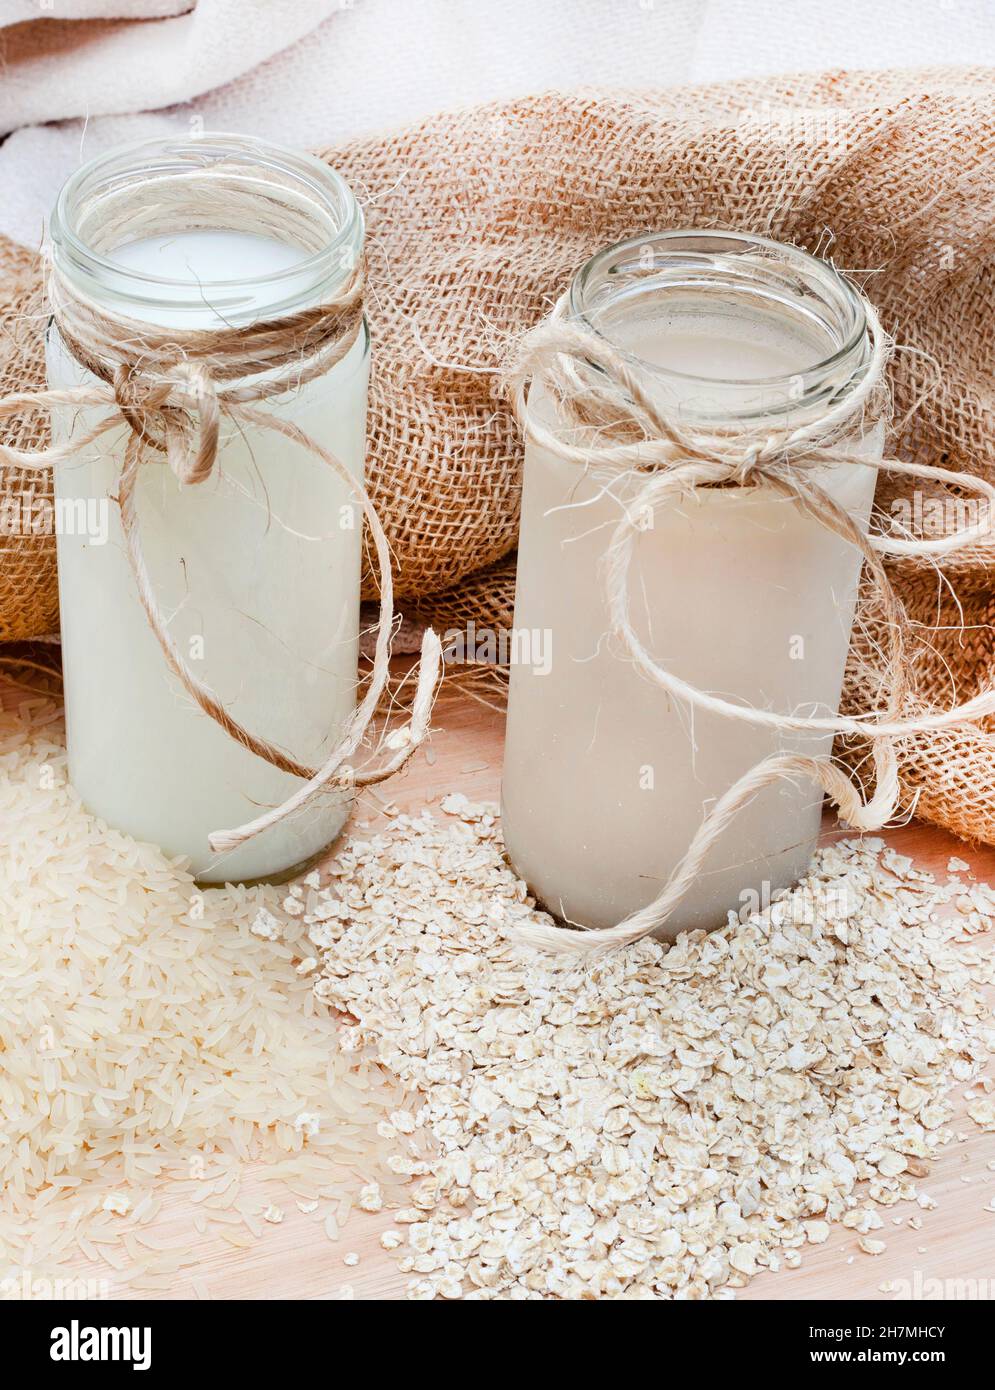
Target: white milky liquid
{"type": "Point", "coordinates": [257, 570]}
{"type": "Point", "coordinates": [605, 779]}
{"type": "Point", "coordinates": [210, 256]}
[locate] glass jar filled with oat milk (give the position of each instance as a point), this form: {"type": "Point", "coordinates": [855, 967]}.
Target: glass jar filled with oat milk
{"type": "Point", "coordinates": [606, 779]}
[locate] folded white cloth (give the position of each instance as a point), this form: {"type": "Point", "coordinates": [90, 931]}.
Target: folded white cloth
{"type": "Point", "coordinates": [309, 72]}
{"type": "Point", "coordinates": [22, 11]}
{"type": "Point", "coordinates": [56, 68]}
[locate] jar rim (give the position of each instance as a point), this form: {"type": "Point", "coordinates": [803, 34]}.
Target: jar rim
{"type": "Point", "coordinates": [108, 174]}
{"type": "Point", "coordinates": [695, 252]}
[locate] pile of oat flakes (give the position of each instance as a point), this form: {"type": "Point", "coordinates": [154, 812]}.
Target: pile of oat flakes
{"type": "Point", "coordinates": [659, 1122]}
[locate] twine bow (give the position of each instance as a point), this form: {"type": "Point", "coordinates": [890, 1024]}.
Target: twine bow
{"type": "Point", "coordinates": [607, 418]}
{"type": "Point", "coordinates": [173, 388]}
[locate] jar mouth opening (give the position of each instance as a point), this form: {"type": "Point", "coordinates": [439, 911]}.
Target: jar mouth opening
{"type": "Point", "coordinates": [720, 267]}
{"type": "Point", "coordinates": [131, 175]}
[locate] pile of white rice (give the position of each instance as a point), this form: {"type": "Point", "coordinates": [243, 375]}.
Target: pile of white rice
{"type": "Point", "coordinates": [149, 1037]}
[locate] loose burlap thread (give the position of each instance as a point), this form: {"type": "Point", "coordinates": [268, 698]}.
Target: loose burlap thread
{"type": "Point", "coordinates": [476, 222]}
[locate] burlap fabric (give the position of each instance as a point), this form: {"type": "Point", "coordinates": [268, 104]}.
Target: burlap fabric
{"type": "Point", "coordinates": [478, 219]}
{"type": "Point", "coordinates": [29, 592]}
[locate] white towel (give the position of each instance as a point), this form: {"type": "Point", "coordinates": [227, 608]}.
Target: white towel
{"type": "Point", "coordinates": [56, 68]}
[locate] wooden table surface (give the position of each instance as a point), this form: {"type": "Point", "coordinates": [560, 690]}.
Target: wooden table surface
{"type": "Point", "coordinates": [295, 1260]}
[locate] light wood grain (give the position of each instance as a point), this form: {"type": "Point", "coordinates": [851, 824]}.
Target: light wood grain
{"type": "Point", "coordinates": [296, 1261]}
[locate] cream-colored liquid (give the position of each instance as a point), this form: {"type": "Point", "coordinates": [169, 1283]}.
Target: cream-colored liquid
{"type": "Point", "coordinates": [257, 570]}
{"type": "Point", "coordinates": [606, 780]}
{"type": "Point", "coordinates": [697, 348]}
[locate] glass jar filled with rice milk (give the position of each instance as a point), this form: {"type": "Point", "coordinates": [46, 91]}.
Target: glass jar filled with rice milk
{"type": "Point", "coordinates": [256, 569]}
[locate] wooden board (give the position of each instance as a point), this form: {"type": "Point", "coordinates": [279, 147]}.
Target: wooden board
{"type": "Point", "coordinates": [296, 1261]}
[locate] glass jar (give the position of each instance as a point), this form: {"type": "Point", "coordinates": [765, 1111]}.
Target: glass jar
{"type": "Point", "coordinates": [732, 589]}
{"type": "Point", "coordinates": [256, 569]}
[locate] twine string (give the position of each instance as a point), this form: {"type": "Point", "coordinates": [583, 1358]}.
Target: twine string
{"type": "Point", "coordinates": [605, 417]}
